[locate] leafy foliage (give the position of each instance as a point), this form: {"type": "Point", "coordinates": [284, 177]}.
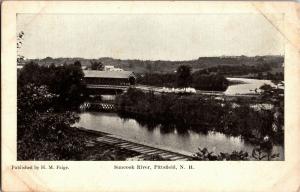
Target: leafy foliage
{"type": "Point", "coordinates": [77, 64]}
{"type": "Point", "coordinates": [156, 79]}
{"type": "Point", "coordinates": [42, 134]}
{"type": "Point", "coordinates": [236, 69]}
{"type": "Point", "coordinates": [64, 81]}
{"type": "Point", "coordinates": [20, 38]}
{"type": "Point", "coordinates": [209, 82]}
{"type": "Point", "coordinates": [257, 154]}
{"type": "Point", "coordinates": [185, 78]}
{"type": "Point", "coordinates": [97, 65]}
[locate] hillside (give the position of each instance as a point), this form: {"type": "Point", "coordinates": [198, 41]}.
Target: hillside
{"type": "Point", "coordinates": [163, 66]}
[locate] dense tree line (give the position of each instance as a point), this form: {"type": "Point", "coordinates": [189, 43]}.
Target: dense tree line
{"type": "Point", "coordinates": [236, 69]}
{"type": "Point", "coordinates": [64, 81]}
{"type": "Point", "coordinates": [185, 78]}
{"type": "Point", "coordinates": [156, 79]}
{"type": "Point", "coordinates": [198, 113]}
{"type": "Point", "coordinates": [209, 82]}
{"type": "Point", "coordinates": [278, 76]}
{"type": "Point", "coordinates": [164, 66]}
{"type": "Point", "coordinates": [252, 71]}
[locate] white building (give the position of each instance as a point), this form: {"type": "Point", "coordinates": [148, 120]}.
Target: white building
{"type": "Point", "coordinates": [111, 68]}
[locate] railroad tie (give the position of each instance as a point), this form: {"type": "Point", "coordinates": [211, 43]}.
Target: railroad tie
{"type": "Point", "coordinates": [146, 151]}
{"type": "Point", "coordinates": [137, 148]}
{"type": "Point", "coordinates": [110, 142]}
{"type": "Point", "coordinates": [108, 139]}
{"type": "Point", "coordinates": [140, 149]}
{"type": "Point", "coordinates": [126, 145]}
{"type": "Point", "coordinates": [183, 159]}
{"type": "Point", "coordinates": [163, 153]}
{"type": "Point", "coordinates": [154, 152]}
{"type": "Point", "coordinates": [176, 158]}
{"type": "Point", "coordinates": [101, 139]}
{"type": "Point", "coordinates": [168, 155]}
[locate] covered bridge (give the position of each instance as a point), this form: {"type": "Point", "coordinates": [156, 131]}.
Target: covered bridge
{"type": "Point", "coordinates": [108, 80]}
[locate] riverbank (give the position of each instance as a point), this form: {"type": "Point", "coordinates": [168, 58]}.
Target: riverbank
{"type": "Point", "coordinates": [200, 114]}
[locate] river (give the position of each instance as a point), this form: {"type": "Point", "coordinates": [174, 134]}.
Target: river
{"type": "Point", "coordinates": [247, 86]}
{"type": "Point", "coordinates": [188, 141]}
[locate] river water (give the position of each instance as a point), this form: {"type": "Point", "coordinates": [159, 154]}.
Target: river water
{"type": "Point", "coordinates": [247, 86]}
{"type": "Point", "coordinates": [188, 141]}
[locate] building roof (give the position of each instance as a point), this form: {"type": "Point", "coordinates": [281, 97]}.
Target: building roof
{"type": "Point", "coordinates": [108, 74]}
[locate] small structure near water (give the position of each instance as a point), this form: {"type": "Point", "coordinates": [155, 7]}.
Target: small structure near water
{"type": "Point", "coordinates": [109, 78]}
{"type": "Point", "coordinates": [111, 68]}
{"type": "Point", "coordinates": [108, 82]}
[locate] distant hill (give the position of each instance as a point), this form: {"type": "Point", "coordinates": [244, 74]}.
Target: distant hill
{"type": "Point", "coordinates": [163, 66]}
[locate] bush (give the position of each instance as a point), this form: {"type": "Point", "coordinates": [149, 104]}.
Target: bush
{"type": "Point", "coordinates": [209, 82]}
{"type": "Point", "coordinates": [257, 154]}
{"type": "Point", "coordinates": [43, 134]}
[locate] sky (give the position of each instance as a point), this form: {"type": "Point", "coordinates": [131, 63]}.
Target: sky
{"type": "Point", "coordinates": [149, 36]}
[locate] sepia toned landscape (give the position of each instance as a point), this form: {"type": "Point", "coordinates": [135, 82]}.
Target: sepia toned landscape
{"type": "Point", "coordinates": [210, 107]}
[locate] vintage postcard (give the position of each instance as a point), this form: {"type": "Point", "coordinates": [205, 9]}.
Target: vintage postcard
{"type": "Point", "coordinates": [137, 96]}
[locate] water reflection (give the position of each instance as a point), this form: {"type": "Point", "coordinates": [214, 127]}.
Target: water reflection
{"type": "Point", "coordinates": [165, 135]}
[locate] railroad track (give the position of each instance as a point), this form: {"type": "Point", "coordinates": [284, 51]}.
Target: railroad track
{"type": "Point", "coordinates": [143, 149]}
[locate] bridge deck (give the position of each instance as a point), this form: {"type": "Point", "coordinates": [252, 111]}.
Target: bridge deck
{"type": "Point", "coordinates": [117, 87]}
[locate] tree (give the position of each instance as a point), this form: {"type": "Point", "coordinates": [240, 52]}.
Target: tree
{"type": "Point", "coordinates": [77, 64]}
{"type": "Point", "coordinates": [275, 97]}
{"type": "Point", "coordinates": [20, 36]}
{"type": "Point", "coordinates": [67, 83]}
{"type": "Point", "coordinates": [266, 88]}
{"type": "Point", "coordinates": [42, 134]}
{"type": "Point", "coordinates": [149, 67]}
{"type": "Point", "coordinates": [211, 82]}
{"type": "Point", "coordinates": [30, 73]}
{"type": "Point", "coordinates": [97, 65]}
{"type": "Point", "coordinates": [184, 77]}
{"type": "Point", "coordinates": [64, 81]}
